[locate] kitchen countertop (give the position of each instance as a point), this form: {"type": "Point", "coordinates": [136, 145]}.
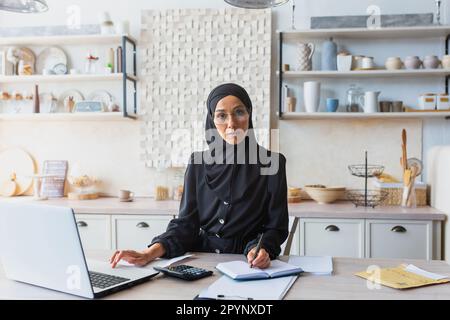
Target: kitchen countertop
{"type": "Point", "coordinates": [305, 209]}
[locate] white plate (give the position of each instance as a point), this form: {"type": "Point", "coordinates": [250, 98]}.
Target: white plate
{"type": "Point", "coordinates": [101, 96]}
{"type": "Point", "coordinates": [49, 58]}
{"type": "Point", "coordinates": [64, 97]}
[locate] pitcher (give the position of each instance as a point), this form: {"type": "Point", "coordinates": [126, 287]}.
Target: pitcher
{"type": "Point", "coordinates": [305, 53]}
{"type": "Point", "coordinates": [370, 101]}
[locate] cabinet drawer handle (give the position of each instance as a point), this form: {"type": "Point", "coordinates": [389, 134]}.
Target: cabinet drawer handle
{"type": "Point", "coordinates": [332, 228]}
{"type": "Point", "coordinates": [142, 225]}
{"type": "Point", "coordinates": [398, 229]}
{"type": "Point", "coordinates": [82, 224]}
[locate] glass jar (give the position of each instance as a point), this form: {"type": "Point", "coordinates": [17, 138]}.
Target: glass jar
{"type": "Point", "coordinates": [161, 186]}
{"type": "Point", "coordinates": [178, 184]}
{"type": "Point", "coordinates": [409, 199]}
{"type": "Point", "coordinates": [353, 99]}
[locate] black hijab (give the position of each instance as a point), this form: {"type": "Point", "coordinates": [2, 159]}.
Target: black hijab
{"type": "Point", "coordinates": [231, 170]}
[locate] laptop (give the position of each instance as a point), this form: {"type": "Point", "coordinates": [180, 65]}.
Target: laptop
{"type": "Point", "coordinates": [40, 245]}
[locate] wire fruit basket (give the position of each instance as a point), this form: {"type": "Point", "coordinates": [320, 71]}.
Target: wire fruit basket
{"type": "Point", "coordinates": [359, 170]}
{"type": "Point", "coordinates": [372, 199]}
{"type": "Point", "coordinates": [365, 197]}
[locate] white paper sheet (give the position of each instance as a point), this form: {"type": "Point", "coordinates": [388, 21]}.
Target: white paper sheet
{"type": "Point", "coordinates": [412, 268]}
{"type": "Point", "coordinates": [313, 265]}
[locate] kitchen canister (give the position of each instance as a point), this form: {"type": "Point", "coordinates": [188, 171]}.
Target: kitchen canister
{"type": "Point", "coordinates": [446, 62]}
{"type": "Point", "coordinates": [311, 93]}
{"type": "Point", "coordinates": [412, 62]}
{"type": "Point", "coordinates": [344, 62]}
{"type": "Point", "coordinates": [431, 62]}
{"type": "Point", "coordinates": [427, 101]}
{"type": "Point", "coordinates": [393, 63]}
{"type": "Point", "coordinates": [305, 54]}
{"type": "Point", "coordinates": [329, 55]}
{"type": "Point", "coordinates": [443, 101]}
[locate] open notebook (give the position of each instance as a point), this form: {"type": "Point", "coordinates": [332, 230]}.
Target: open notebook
{"type": "Point", "coordinates": [240, 270]}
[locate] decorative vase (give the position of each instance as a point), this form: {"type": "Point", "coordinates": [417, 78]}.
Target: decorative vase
{"type": "Point", "coordinates": [305, 53]}
{"type": "Point", "coordinates": [311, 94]}
{"type": "Point", "coordinates": [329, 55]}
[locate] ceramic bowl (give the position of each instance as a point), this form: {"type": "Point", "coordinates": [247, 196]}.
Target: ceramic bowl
{"type": "Point", "coordinates": [323, 195]}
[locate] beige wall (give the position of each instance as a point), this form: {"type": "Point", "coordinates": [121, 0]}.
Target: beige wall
{"type": "Point", "coordinates": [108, 150]}
{"type": "Point", "coordinates": [318, 152]}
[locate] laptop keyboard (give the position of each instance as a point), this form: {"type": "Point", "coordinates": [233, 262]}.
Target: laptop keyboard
{"type": "Point", "coordinates": [102, 280]}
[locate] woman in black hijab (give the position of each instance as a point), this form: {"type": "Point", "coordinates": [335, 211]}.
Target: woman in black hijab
{"type": "Point", "coordinates": [234, 192]}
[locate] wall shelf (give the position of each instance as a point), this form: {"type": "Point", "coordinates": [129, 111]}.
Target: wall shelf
{"type": "Point", "coordinates": [371, 73]}
{"type": "Point", "coordinates": [361, 34]}
{"type": "Point", "coordinates": [64, 40]}
{"type": "Point", "coordinates": [63, 78]}
{"type": "Point", "coordinates": [98, 117]}
{"type": "Point", "coordinates": [365, 33]}
{"type": "Point", "coordinates": [360, 115]}
{"type": "Point", "coordinates": [125, 77]}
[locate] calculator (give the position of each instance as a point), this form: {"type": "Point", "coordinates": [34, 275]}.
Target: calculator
{"type": "Point", "coordinates": [185, 272]}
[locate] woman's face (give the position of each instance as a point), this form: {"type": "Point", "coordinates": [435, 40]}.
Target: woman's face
{"type": "Point", "coordinates": [231, 119]}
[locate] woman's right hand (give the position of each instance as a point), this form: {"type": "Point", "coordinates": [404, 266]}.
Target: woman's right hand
{"type": "Point", "coordinates": [136, 258]}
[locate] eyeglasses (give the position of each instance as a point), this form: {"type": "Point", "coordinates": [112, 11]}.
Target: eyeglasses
{"type": "Point", "coordinates": [223, 117]}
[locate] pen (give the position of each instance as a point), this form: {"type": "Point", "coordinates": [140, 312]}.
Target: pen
{"type": "Point", "coordinates": [258, 247]}
{"type": "Point", "coordinates": [222, 296]}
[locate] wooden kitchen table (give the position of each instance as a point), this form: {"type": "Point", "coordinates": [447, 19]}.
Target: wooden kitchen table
{"type": "Point", "coordinates": [343, 284]}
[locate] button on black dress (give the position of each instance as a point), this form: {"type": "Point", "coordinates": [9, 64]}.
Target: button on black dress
{"type": "Point", "coordinates": [207, 223]}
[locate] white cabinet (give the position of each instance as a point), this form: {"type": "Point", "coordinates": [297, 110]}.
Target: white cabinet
{"type": "Point", "coordinates": [399, 239]}
{"type": "Point", "coordinates": [95, 231]}
{"type": "Point", "coordinates": [333, 237]}
{"type": "Point", "coordinates": [137, 232]}
{"type": "Point", "coordinates": [112, 232]}
{"type": "Point", "coordinates": [370, 238]}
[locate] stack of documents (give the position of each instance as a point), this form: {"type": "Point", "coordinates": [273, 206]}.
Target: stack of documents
{"type": "Point", "coordinates": [229, 289]}
{"type": "Point", "coordinates": [313, 265]}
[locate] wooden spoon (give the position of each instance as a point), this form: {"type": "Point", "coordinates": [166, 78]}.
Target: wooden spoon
{"type": "Point", "coordinates": [404, 153]}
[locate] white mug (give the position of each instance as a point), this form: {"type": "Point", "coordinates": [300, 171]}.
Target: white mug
{"type": "Point", "coordinates": [73, 71]}
{"type": "Point", "coordinates": [311, 95]}
{"type": "Point", "coordinates": [126, 195]}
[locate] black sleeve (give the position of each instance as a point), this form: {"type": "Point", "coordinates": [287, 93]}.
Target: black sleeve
{"type": "Point", "coordinates": [276, 228]}
{"type": "Point", "coordinates": [183, 231]}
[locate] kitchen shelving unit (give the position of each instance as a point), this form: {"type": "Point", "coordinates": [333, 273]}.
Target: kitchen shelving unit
{"type": "Point", "coordinates": [125, 77]}
{"type": "Point", "coordinates": [81, 116]}
{"type": "Point", "coordinates": [361, 33]}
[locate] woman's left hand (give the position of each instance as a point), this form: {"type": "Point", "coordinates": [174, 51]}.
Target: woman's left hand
{"type": "Point", "coordinates": [262, 261]}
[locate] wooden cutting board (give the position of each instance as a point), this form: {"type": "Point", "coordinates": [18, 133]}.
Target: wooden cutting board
{"type": "Point", "coordinates": [16, 161]}
{"type": "Point", "coordinates": [8, 188]}
{"type": "Point", "coordinates": [82, 196]}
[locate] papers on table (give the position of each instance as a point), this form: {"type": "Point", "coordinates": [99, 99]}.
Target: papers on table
{"type": "Point", "coordinates": [434, 276]}
{"type": "Point", "coordinates": [403, 277]}
{"type": "Point", "coordinates": [313, 265]}
{"type": "Point", "coordinates": [267, 289]}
